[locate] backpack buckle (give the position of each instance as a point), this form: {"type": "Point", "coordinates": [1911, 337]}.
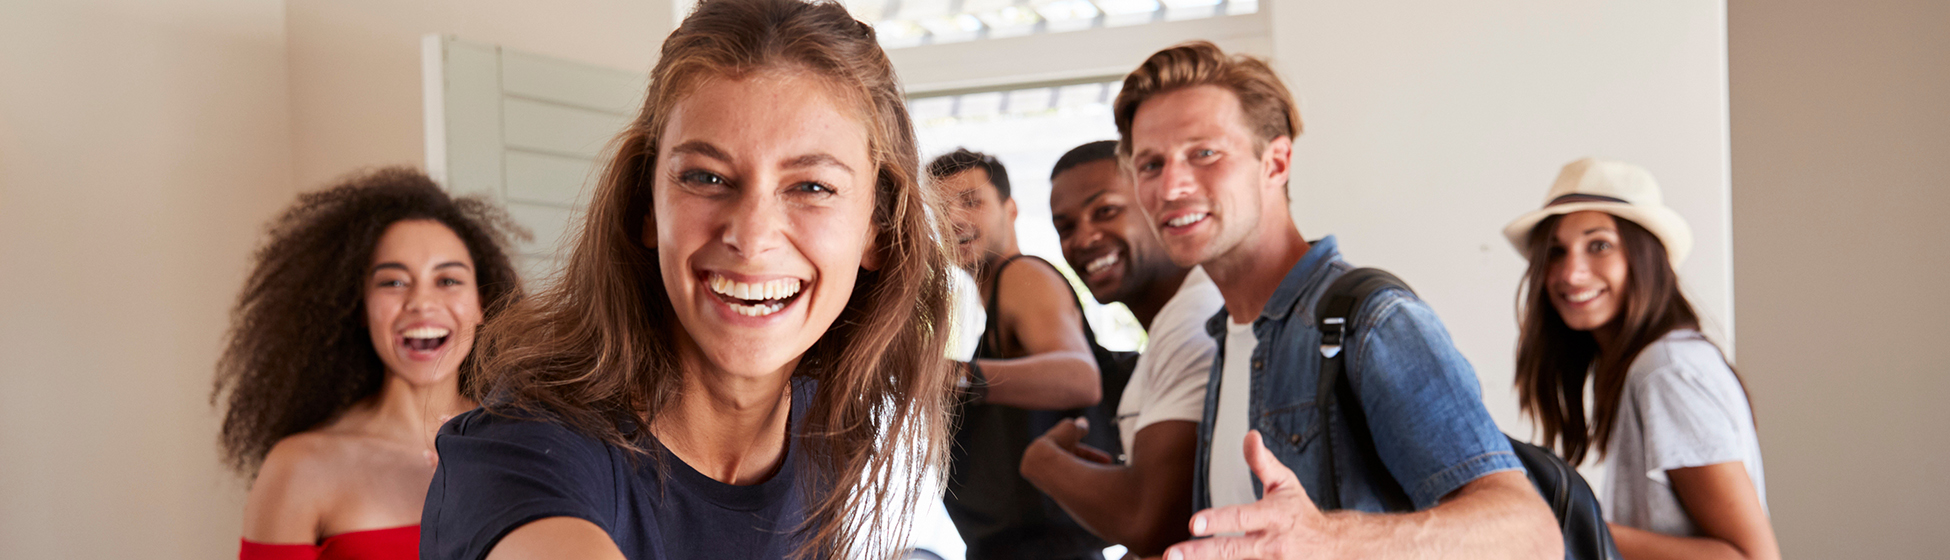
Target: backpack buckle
{"type": "Point", "coordinates": [1332, 331]}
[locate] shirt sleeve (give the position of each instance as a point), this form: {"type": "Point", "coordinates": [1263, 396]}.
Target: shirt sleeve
{"type": "Point", "coordinates": [1423, 403]}
{"type": "Point", "coordinates": [1180, 365]}
{"type": "Point", "coordinates": [498, 473]}
{"type": "Point", "coordinates": [1686, 423]}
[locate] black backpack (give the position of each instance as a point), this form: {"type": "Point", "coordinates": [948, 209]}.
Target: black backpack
{"type": "Point", "coordinates": [1586, 537]}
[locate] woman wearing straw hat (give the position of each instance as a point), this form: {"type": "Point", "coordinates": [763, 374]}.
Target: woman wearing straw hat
{"type": "Point", "coordinates": [1601, 304]}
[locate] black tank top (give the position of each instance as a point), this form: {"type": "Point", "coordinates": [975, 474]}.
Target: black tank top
{"type": "Point", "coordinates": [997, 512]}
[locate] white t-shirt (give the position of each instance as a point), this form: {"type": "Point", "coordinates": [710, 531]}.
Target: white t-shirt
{"type": "Point", "coordinates": [1169, 380]}
{"type": "Point", "coordinates": [1230, 479]}
{"type": "Point", "coordinates": [965, 333]}
{"type": "Point", "coordinates": [1682, 407]}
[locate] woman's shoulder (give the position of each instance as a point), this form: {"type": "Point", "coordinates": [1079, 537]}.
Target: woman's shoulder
{"type": "Point", "coordinates": [519, 427]}
{"type": "Point", "coordinates": [1683, 354]}
{"type": "Point", "coordinates": [294, 484]}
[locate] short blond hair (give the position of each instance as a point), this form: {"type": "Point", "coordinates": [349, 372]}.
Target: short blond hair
{"type": "Point", "coordinates": [1263, 99]}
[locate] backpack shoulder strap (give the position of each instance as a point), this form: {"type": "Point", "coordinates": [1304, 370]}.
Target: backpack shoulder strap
{"type": "Point", "coordinates": [1335, 315]}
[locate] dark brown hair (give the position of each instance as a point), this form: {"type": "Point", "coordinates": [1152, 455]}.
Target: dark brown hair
{"type": "Point", "coordinates": [1263, 98]}
{"type": "Point", "coordinates": [1554, 360]}
{"type": "Point", "coordinates": [594, 350]}
{"type": "Point", "coordinates": [298, 350]}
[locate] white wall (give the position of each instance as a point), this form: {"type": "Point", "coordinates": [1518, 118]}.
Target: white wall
{"type": "Point", "coordinates": [355, 64]}
{"type": "Point", "coordinates": [1431, 124]}
{"type": "Point", "coordinates": [1841, 177]}
{"type": "Point", "coordinates": [142, 145]}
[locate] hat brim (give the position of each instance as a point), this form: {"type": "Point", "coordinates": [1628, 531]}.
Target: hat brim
{"type": "Point", "coordinates": [1663, 222]}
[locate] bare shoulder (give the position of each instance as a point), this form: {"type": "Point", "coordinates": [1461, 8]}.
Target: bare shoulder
{"type": "Point", "coordinates": [1035, 285]}
{"type": "Point", "coordinates": [292, 488]}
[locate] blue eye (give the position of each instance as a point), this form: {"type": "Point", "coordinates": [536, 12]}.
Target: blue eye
{"type": "Point", "coordinates": [1206, 153]}
{"type": "Point", "coordinates": [701, 178]}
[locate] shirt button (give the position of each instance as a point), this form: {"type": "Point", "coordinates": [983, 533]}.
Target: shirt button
{"type": "Point", "coordinates": [1259, 364]}
{"type": "Point", "coordinates": [1295, 438]}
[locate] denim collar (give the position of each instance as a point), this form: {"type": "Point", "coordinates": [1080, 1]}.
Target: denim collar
{"type": "Point", "coordinates": [1303, 279]}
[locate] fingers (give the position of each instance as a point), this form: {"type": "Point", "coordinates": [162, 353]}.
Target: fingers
{"type": "Point", "coordinates": [1257, 516]}
{"type": "Point", "coordinates": [1216, 548]}
{"type": "Point", "coordinates": [1093, 454]}
{"type": "Point", "coordinates": [1066, 434]}
{"type": "Point", "coordinates": [1273, 475]}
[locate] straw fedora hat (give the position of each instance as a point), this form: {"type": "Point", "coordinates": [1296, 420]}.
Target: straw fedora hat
{"type": "Point", "coordinates": [1613, 187]}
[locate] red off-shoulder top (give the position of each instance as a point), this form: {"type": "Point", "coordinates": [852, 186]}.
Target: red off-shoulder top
{"type": "Point", "coordinates": [398, 543]}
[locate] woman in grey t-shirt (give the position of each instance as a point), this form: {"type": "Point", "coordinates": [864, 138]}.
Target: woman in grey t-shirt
{"type": "Point", "coordinates": [1601, 304]}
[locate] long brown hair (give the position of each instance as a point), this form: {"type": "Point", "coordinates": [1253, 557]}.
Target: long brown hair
{"type": "Point", "coordinates": [1554, 361]}
{"type": "Point", "coordinates": [594, 350]}
{"type": "Point", "coordinates": [298, 353]}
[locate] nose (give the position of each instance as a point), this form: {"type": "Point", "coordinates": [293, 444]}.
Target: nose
{"type": "Point", "coordinates": [1572, 269]}
{"type": "Point", "coordinates": [1177, 179]}
{"type": "Point", "coordinates": [421, 298]}
{"type": "Point", "coordinates": [756, 224]}
{"type": "Point", "coordinates": [1082, 238]}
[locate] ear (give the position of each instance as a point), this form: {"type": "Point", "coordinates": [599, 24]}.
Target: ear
{"type": "Point", "coordinates": [649, 238]}
{"type": "Point", "coordinates": [1278, 162]}
{"type": "Point", "coordinates": [1010, 207]}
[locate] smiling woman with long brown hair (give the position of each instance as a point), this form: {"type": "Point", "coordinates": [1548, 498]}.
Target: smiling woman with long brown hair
{"type": "Point", "coordinates": [742, 357]}
{"type": "Point", "coordinates": [1601, 305]}
{"type": "Point", "coordinates": [346, 350]}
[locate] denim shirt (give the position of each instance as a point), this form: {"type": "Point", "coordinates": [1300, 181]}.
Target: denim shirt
{"type": "Point", "coordinates": [1423, 404]}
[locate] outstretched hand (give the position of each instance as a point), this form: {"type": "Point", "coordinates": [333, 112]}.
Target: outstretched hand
{"type": "Point", "coordinates": [1283, 524]}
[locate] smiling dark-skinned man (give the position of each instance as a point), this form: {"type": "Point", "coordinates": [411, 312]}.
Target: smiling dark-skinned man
{"type": "Point", "coordinates": [1143, 501]}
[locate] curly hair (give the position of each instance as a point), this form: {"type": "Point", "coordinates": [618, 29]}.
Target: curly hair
{"type": "Point", "coordinates": [298, 352]}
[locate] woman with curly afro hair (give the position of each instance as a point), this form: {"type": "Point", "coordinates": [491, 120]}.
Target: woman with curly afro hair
{"type": "Point", "coordinates": [347, 349]}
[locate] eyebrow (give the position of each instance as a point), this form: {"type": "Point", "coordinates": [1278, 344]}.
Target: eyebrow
{"type": "Point", "coordinates": [701, 148]}
{"type": "Point", "coordinates": [400, 267]}
{"type": "Point", "coordinates": [817, 159]}
{"type": "Point", "coordinates": [1192, 140]}
{"type": "Point", "coordinates": [1595, 230]}
{"type": "Point", "coordinates": [705, 149]}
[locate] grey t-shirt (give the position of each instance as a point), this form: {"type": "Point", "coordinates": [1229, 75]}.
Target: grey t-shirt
{"type": "Point", "coordinates": [1682, 407]}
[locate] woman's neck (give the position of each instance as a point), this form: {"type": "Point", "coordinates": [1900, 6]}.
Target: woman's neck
{"type": "Point", "coordinates": [730, 427]}
{"type": "Point", "coordinates": [412, 413]}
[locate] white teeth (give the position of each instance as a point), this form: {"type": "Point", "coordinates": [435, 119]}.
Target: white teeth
{"type": "Point", "coordinates": [426, 332]}
{"type": "Point", "coordinates": [1100, 263]}
{"type": "Point", "coordinates": [759, 310]}
{"type": "Point", "coordinates": [769, 290]}
{"type": "Point", "coordinates": [1186, 220]}
{"type": "Point", "coordinates": [1583, 296]}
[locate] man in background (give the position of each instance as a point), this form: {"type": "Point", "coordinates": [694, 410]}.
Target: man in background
{"type": "Point", "coordinates": [1033, 363]}
{"type": "Point", "coordinates": [1143, 500]}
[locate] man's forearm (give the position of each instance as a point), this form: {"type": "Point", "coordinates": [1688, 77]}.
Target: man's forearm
{"type": "Point", "coordinates": [1047, 381]}
{"type": "Point", "coordinates": [1497, 516]}
{"type": "Point", "coordinates": [1098, 496]}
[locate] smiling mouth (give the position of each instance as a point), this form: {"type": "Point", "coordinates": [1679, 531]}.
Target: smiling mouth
{"type": "Point", "coordinates": [1584, 296]}
{"type": "Point", "coordinates": [754, 299]}
{"type": "Point", "coordinates": [425, 339]}
{"type": "Point", "coordinates": [1101, 263]}
{"type": "Point", "coordinates": [1187, 219]}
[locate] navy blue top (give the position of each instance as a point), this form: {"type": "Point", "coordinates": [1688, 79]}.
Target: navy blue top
{"type": "Point", "coordinates": [497, 473]}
